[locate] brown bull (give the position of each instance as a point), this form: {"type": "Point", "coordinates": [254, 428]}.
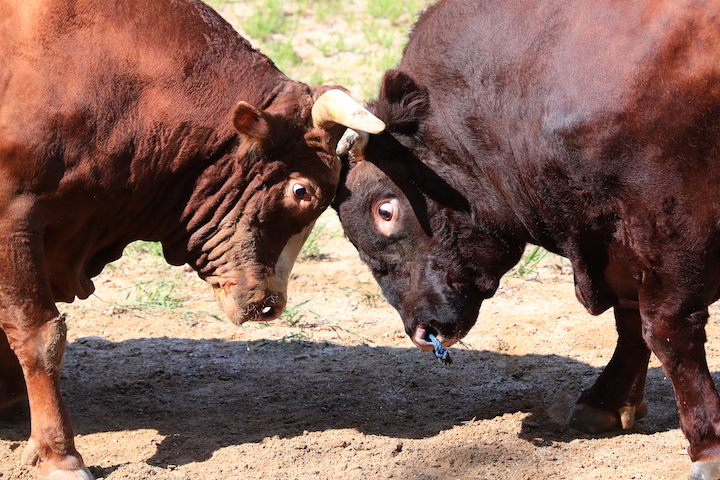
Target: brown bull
{"type": "Point", "coordinates": [147, 120]}
{"type": "Point", "coordinates": [591, 128]}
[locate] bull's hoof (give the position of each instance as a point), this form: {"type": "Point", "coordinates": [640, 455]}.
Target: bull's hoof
{"type": "Point", "coordinates": [628, 415]}
{"type": "Point", "coordinates": [30, 456]}
{"type": "Point", "coordinates": [81, 474]}
{"type": "Point", "coordinates": [705, 471]}
{"type": "Point", "coordinates": [595, 420]}
{"type": "Point", "coordinates": [592, 420]}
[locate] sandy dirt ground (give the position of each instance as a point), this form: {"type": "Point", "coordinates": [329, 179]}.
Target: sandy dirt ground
{"type": "Point", "coordinates": [335, 390]}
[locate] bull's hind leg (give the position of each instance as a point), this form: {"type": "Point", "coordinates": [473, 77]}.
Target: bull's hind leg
{"type": "Point", "coordinates": [616, 397]}
{"type": "Point", "coordinates": [13, 395]}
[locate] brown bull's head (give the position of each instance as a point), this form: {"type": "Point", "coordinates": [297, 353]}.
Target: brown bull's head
{"type": "Point", "coordinates": [410, 217]}
{"type": "Point", "coordinates": [283, 174]}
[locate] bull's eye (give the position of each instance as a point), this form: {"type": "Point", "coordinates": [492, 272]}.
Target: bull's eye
{"type": "Point", "coordinates": [299, 190]}
{"type": "Point", "coordinates": [386, 211]}
{"type": "Point", "coordinates": [387, 216]}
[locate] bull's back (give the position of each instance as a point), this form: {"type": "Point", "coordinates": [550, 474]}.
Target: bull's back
{"type": "Point", "coordinates": [94, 93]}
{"type": "Point", "coordinates": [102, 104]}
{"type": "Point", "coordinates": [620, 97]}
{"type": "Point", "coordinates": [562, 52]}
{"type": "Point", "coordinates": [62, 66]}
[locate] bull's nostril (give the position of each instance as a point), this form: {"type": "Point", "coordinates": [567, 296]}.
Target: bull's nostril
{"type": "Point", "coordinates": [270, 312]}
{"type": "Point", "coordinates": [430, 331]}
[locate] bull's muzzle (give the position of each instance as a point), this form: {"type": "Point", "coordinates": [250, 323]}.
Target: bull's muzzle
{"type": "Point", "coordinates": [261, 303]}
{"type": "Point", "coordinates": [421, 338]}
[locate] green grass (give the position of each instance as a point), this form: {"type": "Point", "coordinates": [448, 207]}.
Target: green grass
{"type": "Point", "coordinates": [317, 240]}
{"type": "Point", "coordinates": [325, 12]}
{"type": "Point", "coordinates": [363, 290]}
{"type": "Point", "coordinates": [374, 33]}
{"type": "Point", "coordinates": [160, 291]}
{"type": "Point", "coordinates": [291, 316]}
{"type": "Point", "coordinates": [141, 247]}
{"type": "Point", "coordinates": [529, 262]}
{"type": "Point", "coordinates": [321, 42]}
{"type": "Point", "coordinates": [266, 21]}
{"type": "Point", "coordinates": [147, 295]}
{"type": "Point", "coordinates": [294, 314]}
{"type": "Point", "coordinates": [393, 10]}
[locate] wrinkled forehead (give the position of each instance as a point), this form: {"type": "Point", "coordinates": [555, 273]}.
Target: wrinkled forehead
{"type": "Point", "coordinates": [367, 185]}
{"type": "Point", "coordinates": [367, 173]}
{"type": "Point", "coordinates": [312, 155]}
{"type": "Point", "coordinates": [364, 183]}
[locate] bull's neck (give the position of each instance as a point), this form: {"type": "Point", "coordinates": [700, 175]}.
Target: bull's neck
{"type": "Point", "coordinates": [201, 164]}
{"type": "Point", "coordinates": [490, 181]}
{"type": "Point", "coordinates": [206, 184]}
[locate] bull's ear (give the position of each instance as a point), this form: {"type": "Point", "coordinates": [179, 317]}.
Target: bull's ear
{"type": "Point", "coordinates": [407, 102]}
{"type": "Point", "coordinates": [251, 122]}
{"type": "Point", "coordinates": [397, 85]}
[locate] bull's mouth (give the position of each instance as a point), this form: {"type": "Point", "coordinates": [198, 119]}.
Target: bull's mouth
{"type": "Point", "coordinates": [242, 305]}
{"type": "Point", "coordinates": [421, 338]}
{"type": "Point", "coordinates": [262, 312]}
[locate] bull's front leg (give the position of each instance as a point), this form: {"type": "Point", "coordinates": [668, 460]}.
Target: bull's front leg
{"type": "Point", "coordinates": [616, 397]}
{"type": "Point", "coordinates": [36, 332]}
{"type": "Point", "coordinates": [678, 339]}
{"type": "Point", "coordinates": [39, 345]}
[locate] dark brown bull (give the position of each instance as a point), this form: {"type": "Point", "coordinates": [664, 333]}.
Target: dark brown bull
{"type": "Point", "coordinates": [589, 128]}
{"type": "Point", "coordinates": [145, 120]}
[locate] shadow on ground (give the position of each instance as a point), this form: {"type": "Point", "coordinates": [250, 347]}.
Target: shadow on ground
{"type": "Point", "coordinates": [202, 396]}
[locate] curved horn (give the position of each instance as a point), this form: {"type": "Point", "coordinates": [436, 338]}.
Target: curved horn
{"type": "Point", "coordinates": [353, 142]}
{"type": "Point", "coordinates": [336, 107]}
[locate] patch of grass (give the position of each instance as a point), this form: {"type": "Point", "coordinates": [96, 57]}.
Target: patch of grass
{"type": "Point", "coordinates": [375, 34]}
{"type": "Point", "coordinates": [282, 52]}
{"type": "Point", "coordinates": [152, 294]}
{"type": "Point", "coordinates": [293, 315]}
{"type": "Point", "coordinates": [368, 297]}
{"type": "Point", "coordinates": [318, 238]}
{"type": "Point", "coordinates": [329, 10]}
{"type": "Point", "coordinates": [327, 42]}
{"type": "Point", "coordinates": [317, 77]}
{"type": "Point", "coordinates": [386, 60]}
{"type": "Point", "coordinates": [141, 247]}
{"type": "Point", "coordinates": [393, 10]}
{"type": "Point", "coordinates": [267, 20]}
{"type": "Point", "coordinates": [331, 45]}
{"type": "Point", "coordinates": [529, 262]}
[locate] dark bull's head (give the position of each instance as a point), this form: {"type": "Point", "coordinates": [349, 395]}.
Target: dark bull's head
{"type": "Point", "coordinates": [284, 173]}
{"type": "Point", "coordinates": [406, 213]}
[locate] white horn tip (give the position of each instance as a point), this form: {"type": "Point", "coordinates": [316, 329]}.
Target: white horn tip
{"type": "Point", "coordinates": [337, 107]}
{"type": "Point", "coordinates": [354, 142]}
{"type": "Point", "coordinates": [370, 123]}
{"type": "Point", "coordinates": [346, 142]}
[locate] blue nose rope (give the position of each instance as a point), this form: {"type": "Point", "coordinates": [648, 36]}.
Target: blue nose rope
{"type": "Point", "coordinates": [442, 354]}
